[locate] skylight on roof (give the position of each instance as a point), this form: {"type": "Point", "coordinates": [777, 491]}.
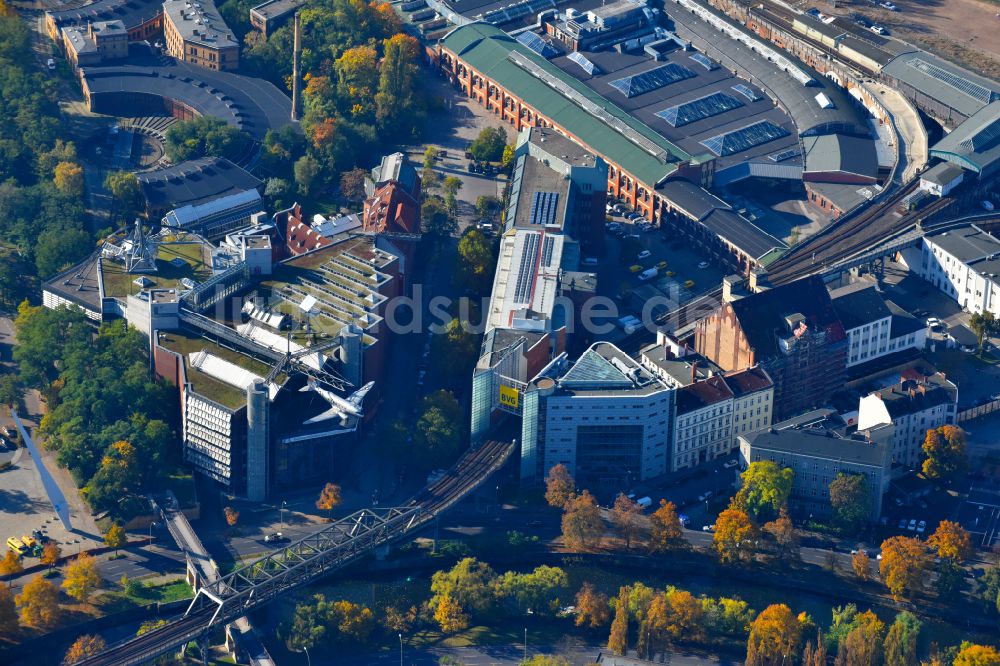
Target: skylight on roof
{"type": "Point", "coordinates": [585, 63]}
{"type": "Point", "coordinates": [704, 61]}
{"type": "Point", "coordinates": [538, 45]}
{"type": "Point", "coordinates": [747, 92]}
{"type": "Point", "coordinates": [744, 138]}
{"type": "Point", "coordinates": [653, 79]}
{"type": "Point", "coordinates": [698, 109]}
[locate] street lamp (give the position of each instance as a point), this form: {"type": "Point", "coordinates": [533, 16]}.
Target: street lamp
{"type": "Point", "coordinates": [281, 513]}
{"type": "Point", "coordinates": [525, 644]}
{"type": "Point", "coordinates": [152, 524]}
{"type": "Point", "coordinates": [400, 649]}
{"type": "Point", "coordinates": [309, 660]}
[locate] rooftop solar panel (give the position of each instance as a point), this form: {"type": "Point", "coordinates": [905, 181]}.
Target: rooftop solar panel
{"type": "Point", "coordinates": [704, 61]}
{"type": "Point", "coordinates": [547, 250]}
{"type": "Point", "coordinates": [637, 84]}
{"type": "Point", "coordinates": [698, 109]}
{"type": "Point", "coordinates": [584, 63]}
{"type": "Point", "coordinates": [959, 83]}
{"type": "Point", "coordinates": [543, 208]}
{"type": "Point", "coordinates": [747, 92]}
{"type": "Point", "coordinates": [538, 45]}
{"type": "Point", "coordinates": [526, 269]}
{"type": "Point", "coordinates": [744, 138]}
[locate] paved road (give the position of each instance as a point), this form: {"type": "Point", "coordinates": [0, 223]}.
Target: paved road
{"type": "Point", "coordinates": [498, 656]}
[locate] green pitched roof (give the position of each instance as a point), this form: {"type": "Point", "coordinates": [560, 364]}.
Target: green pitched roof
{"type": "Point", "coordinates": [486, 49]}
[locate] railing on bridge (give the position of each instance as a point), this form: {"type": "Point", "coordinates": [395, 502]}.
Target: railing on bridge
{"type": "Point", "coordinates": [331, 547]}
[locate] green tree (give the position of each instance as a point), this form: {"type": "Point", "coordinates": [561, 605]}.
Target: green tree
{"type": "Point", "coordinates": [124, 187]}
{"type": "Point", "coordinates": [945, 449]}
{"type": "Point", "coordinates": [115, 537]}
{"type": "Point", "coordinates": [436, 221]}
{"type": "Point", "coordinates": [851, 500]}
{"type": "Point", "coordinates": [60, 247]}
{"type": "Point", "coordinates": [68, 179]}
{"type": "Point", "coordinates": [989, 589]}
{"type": "Point", "coordinates": [449, 188]}
{"type": "Point", "coordinates": [765, 487]}
{"type": "Point", "coordinates": [536, 592]}
{"type": "Point", "coordinates": [306, 170]}
{"type": "Point", "coordinates": [204, 136]}
{"type": "Point", "coordinates": [488, 146]}
{"type": "Point", "coordinates": [900, 646]}
{"type": "Point", "coordinates": [398, 105]}
{"type": "Point", "coordinates": [983, 324]}
{"type": "Point", "coordinates": [438, 431]}
{"type": "Point", "coordinates": [469, 583]}
{"type": "Point", "coordinates": [10, 390]}
{"type": "Point", "coordinates": [487, 207]}
{"type": "Point", "coordinates": [475, 261]}
{"type": "Point", "coordinates": [306, 628]}
{"type": "Point", "coordinates": [727, 616]}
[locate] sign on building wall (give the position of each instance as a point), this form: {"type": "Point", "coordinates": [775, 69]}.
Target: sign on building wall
{"type": "Point", "coordinates": [508, 396]}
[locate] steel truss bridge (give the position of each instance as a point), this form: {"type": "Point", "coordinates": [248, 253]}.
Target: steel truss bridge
{"type": "Point", "coordinates": [307, 560]}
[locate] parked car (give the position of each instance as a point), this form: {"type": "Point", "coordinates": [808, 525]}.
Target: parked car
{"type": "Point", "coordinates": [635, 268]}
{"type": "Point", "coordinates": [683, 520]}
{"type": "Point", "coordinates": [275, 537]}
{"type": "Point", "coordinates": [889, 5]}
{"type": "Point", "coordinates": [877, 29]}
{"type": "Point", "coordinates": [645, 254]}
{"type": "Point", "coordinates": [708, 528]}
{"type": "Point", "coordinates": [902, 523]}
{"type": "Point", "coordinates": [590, 261]}
{"type": "Point", "coordinates": [921, 526]}
{"type": "Point", "coordinates": [51, 64]}
{"type": "Point", "coordinates": [661, 265]}
{"type": "Point", "coordinates": [729, 464]}
{"type": "Point", "coordinates": [702, 264]}
{"type": "Point", "coordinates": [912, 525]}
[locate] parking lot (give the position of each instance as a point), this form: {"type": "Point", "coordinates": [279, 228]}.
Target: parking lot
{"type": "Point", "coordinates": [980, 516]}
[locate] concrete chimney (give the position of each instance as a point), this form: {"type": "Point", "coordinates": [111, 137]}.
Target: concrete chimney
{"type": "Point", "coordinates": [296, 74]}
{"type": "Point", "coordinates": [694, 372]}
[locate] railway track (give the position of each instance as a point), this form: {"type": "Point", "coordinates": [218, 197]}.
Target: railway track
{"type": "Point", "coordinates": [470, 471]}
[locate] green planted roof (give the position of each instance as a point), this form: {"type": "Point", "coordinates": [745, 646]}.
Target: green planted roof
{"type": "Point", "coordinates": [486, 49]}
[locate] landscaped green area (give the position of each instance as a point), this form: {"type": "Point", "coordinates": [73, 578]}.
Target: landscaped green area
{"type": "Point", "coordinates": [205, 385]}
{"type": "Point", "coordinates": [119, 600]}
{"type": "Point", "coordinates": [119, 283]}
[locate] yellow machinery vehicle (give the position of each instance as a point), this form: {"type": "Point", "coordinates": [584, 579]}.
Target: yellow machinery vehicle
{"type": "Point", "coordinates": [17, 545]}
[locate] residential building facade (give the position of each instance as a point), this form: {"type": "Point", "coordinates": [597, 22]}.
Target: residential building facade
{"type": "Point", "coordinates": [195, 32]}
{"type": "Point", "coordinates": [913, 406]}
{"type": "Point", "coordinates": [703, 428]}
{"type": "Point", "coordinates": [817, 446]}
{"type": "Point", "coordinates": [964, 264]}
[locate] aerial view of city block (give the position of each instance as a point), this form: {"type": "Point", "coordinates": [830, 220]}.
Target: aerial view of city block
{"type": "Point", "coordinates": [500, 332]}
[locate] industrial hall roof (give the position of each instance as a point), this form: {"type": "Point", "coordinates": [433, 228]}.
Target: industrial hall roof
{"type": "Point", "coordinates": [975, 144]}
{"type": "Point", "coordinates": [194, 182]}
{"type": "Point", "coordinates": [606, 128]}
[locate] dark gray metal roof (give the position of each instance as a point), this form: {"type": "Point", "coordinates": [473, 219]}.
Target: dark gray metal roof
{"type": "Point", "coordinates": [975, 144]}
{"type": "Point", "coordinates": [840, 152]}
{"type": "Point", "coordinates": [130, 12]}
{"type": "Point", "coordinates": [253, 105]}
{"type": "Point", "coordinates": [967, 244]}
{"type": "Point", "coordinates": [741, 232]}
{"type": "Point", "coordinates": [857, 305]}
{"type": "Point", "coordinates": [942, 173]}
{"type": "Point", "coordinates": [692, 199]}
{"type": "Point", "coordinates": [965, 97]}
{"type": "Point", "coordinates": [194, 182]}
{"type": "Point", "coordinates": [798, 100]}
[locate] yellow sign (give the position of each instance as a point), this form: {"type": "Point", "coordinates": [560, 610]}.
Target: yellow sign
{"type": "Point", "coordinates": [508, 396]}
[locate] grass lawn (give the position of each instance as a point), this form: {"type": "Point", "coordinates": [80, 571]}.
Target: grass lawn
{"type": "Point", "coordinates": [117, 600]}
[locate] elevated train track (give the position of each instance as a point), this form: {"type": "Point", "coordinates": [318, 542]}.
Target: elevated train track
{"type": "Point", "coordinates": [308, 559]}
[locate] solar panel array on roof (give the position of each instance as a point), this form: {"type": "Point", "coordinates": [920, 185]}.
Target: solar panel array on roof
{"type": "Point", "coordinates": [962, 84]}
{"type": "Point", "coordinates": [538, 45]}
{"type": "Point", "coordinates": [584, 63]}
{"type": "Point", "coordinates": [547, 250]}
{"type": "Point", "coordinates": [785, 155]}
{"type": "Point", "coordinates": [543, 208]}
{"type": "Point", "coordinates": [697, 109]}
{"type": "Point", "coordinates": [747, 92]}
{"type": "Point", "coordinates": [637, 84]}
{"type": "Point", "coordinates": [744, 138]}
{"type": "Point", "coordinates": [704, 61]}
{"type": "Point", "coordinates": [526, 269]}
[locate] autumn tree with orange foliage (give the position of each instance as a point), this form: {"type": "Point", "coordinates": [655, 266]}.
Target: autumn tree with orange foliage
{"type": "Point", "coordinates": [946, 453]}
{"type": "Point", "coordinates": [904, 566]}
{"type": "Point", "coordinates": [626, 516]}
{"type": "Point", "coordinates": [83, 647]}
{"type": "Point", "coordinates": [972, 654]}
{"type": "Point", "coordinates": [735, 536]}
{"type": "Point", "coordinates": [581, 522]}
{"type": "Point", "coordinates": [665, 530]}
{"type": "Point", "coordinates": [592, 607]}
{"type": "Point", "coordinates": [774, 637]}
{"type": "Point", "coordinates": [951, 542]}
{"type": "Point", "coordinates": [232, 516]}
{"type": "Point", "coordinates": [329, 498]}
{"type": "Point", "coordinates": [861, 565]}
{"type": "Point", "coordinates": [39, 604]}
{"type": "Point", "coordinates": [560, 487]}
